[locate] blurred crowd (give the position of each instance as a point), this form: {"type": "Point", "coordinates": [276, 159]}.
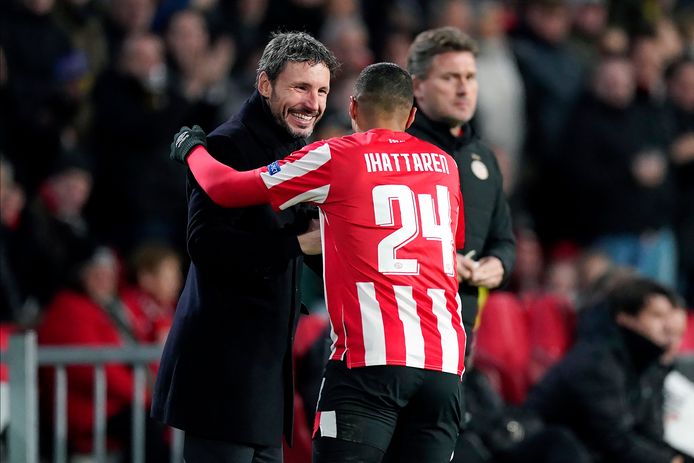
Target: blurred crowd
{"type": "Point", "coordinates": [588, 104]}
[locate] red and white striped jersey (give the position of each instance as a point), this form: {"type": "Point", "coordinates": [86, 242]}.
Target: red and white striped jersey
{"type": "Point", "coordinates": [391, 221]}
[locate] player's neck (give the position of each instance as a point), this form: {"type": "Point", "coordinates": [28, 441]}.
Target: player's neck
{"type": "Point", "coordinates": [382, 123]}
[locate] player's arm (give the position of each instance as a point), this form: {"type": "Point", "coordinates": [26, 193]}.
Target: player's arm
{"type": "Point", "coordinates": [224, 185]}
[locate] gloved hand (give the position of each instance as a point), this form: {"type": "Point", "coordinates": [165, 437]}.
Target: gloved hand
{"type": "Point", "coordinates": [185, 140]}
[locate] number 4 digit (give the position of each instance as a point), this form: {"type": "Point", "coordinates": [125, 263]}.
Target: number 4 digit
{"type": "Point", "coordinates": [383, 198]}
{"type": "Point", "coordinates": [441, 230]}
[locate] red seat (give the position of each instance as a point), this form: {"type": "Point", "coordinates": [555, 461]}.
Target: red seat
{"type": "Point", "coordinates": [551, 330]}
{"type": "Point", "coordinates": [6, 330]}
{"type": "Point", "coordinates": [687, 346]}
{"type": "Point", "coordinates": [502, 347]}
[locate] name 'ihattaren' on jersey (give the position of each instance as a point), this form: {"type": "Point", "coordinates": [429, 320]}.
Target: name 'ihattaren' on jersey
{"type": "Point", "coordinates": [406, 162]}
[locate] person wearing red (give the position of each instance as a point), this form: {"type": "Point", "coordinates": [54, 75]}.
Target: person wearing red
{"type": "Point", "coordinates": [93, 313]}
{"type": "Point", "coordinates": [391, 216]}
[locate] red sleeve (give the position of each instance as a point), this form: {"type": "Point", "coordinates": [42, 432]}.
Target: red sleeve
{"type": "Point", "coordinates": [224, 185]}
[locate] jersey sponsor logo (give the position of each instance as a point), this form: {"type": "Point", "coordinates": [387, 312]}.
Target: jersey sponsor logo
{"type": "Point", "coordinates": [273, 168]}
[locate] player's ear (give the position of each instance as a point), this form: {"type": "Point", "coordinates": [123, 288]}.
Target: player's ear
{"type": "Point", "coordinates": [353, 108]}
{"type": "Point", "coordinates": [410, 118]}
{"type": "Point", "coordinates": [264, 85]}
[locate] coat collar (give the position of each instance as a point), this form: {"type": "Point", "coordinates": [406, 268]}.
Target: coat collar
{"type": "Point", "coordinates": [258, 119]}
{"type": "Point", "coordinates": [640, 351]}
{"type": "Point", "coordinates": [440, 132]}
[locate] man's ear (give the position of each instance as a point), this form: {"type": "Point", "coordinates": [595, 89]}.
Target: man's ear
{"type": "Point", "coordinates": [623, 319]}
{"type": "Point", "coordinates": [416, 85]}
{"type": "Point", "coordinates": [264, 85]}
{"type": "Point", "coordinates": [410, 118]}
{"type": "Point", "coordinates": [353, 108]}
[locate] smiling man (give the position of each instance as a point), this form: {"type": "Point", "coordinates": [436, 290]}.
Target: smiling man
{"type": "Point", "coordinates": [226, 371]}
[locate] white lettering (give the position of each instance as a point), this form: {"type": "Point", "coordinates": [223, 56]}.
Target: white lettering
{"type": "Point", "coordinates": [386, 163]}
{"type": "Point", "coordinates": [417, 163]}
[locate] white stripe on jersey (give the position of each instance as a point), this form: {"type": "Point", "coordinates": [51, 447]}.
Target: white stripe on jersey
{"type": "Point", "coordinates": [309, 162]}
{"type": "Point", "coordinates": [372, 325]}
{"type": "Point", "coordinates": [449, 338]}
{"type": "Point", "coordinates": [414, 340]}
{"type": "Point", "coordinates": [317, 195]}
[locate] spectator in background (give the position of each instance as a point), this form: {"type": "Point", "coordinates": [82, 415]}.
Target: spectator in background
{"type": "Point", "coordinates": [443, 67]}
{"type": "Point", "coordinates": [680, 80]}
{"type": "Point", "coordinates": [589, 22]}
{"type": "Point", "coordinates": [34, 47]}
{"type": "Point", "coordinates": [91, 312]}
{"type": "Point", "coordinates": [125, 18]}
{"type": "Point", "coordinates": [617, 167]}
{"type": "Point", "coordinates": [54, 229]}
{"type": "Point", "coordinates": [13, 291]}
{"type": "Point", "coordinates": [601, 391]}
{"type": "Point", "coordinates": [226, 370]}
{"type": "Point", "coordinates": [83, 21]}
{"type": "Point", "coordinates": [156, 281]}
{"type": "Point", "coordinates": [138, 194]}
{"type": "Point", "coordinates": [500, 116]}
{"type": "Point", "coordinates": [553, 79]}
{"type": "Point", "coordinates": [200, 68]}
{"type": "Point", "coordinates": [348, 38]}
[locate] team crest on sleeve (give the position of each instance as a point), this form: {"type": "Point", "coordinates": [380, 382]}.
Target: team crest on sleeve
{"type": "Point", "coordinates": [273, 168]}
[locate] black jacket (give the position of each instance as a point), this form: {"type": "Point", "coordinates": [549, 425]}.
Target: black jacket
{"type": "Point", "coordinates": [488, 227]}
{"type": "Point", "coordinates": [605, 391]}
{"type": "Point", "coordinates": [226, 370]}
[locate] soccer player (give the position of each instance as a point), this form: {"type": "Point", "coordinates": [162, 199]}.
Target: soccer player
{"type": "Point", "coordinates": [391, 220]}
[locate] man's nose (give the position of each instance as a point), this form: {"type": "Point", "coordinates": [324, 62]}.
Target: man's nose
{"type": "Point", "coordinates": [312, 100]}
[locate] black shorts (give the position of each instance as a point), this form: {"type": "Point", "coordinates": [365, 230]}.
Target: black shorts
{"type": "Point", "coordinates": [365, 404]}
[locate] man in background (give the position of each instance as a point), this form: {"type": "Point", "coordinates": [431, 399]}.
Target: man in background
{"type": "Point", "coordinates": [444, 74]}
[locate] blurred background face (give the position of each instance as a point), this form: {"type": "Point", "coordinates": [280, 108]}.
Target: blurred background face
{"type": "Point", "coordinates": [615, 83]}
{"type": "Point", "coordinates": [39, 7]}
{"type": "Point", "coordinates": [448, 93]}
{"type": "Point", "coordinates": [681, 87]}
{"type": "Point", "coordinates": [652, 322]}
{"type": "Point", "coordinates": [187, 37]}
{"type": "Point", "coordinates": [551, 23]}
{"type": "Point", "coordinates": [490, 21]}
{"type": "Point", "coordinates": [298, 96]}
{"type": "Point", "coordinates": [164, 282]}
{"type": "Point", "coordinates": [143, 58]}
{"type": "Point", "coordinates": [590, 18]}
{"type": "Point", "coordinates": [132, 15]}
{"type": "Point", "coordinates": [99, 277]}
{"type": "Point", "coordinates": [71, 190]}
{"type": "Point", "coordinates": [648, 62]}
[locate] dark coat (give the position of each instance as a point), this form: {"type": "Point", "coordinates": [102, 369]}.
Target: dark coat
{"type": "Point", "coordinates": [605, 391]}
{"type": "Point", "coordinates": [605, 197]}
{"type": "Point", "coordinates": [488, 227]}
{"type": "Point", "coordinates": [226, 370]}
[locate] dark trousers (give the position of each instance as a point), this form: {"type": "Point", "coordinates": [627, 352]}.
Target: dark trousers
{"type": "Point", "coordinates": [360, 410]}
{"type": "Point", "coordinates": [199, 450]}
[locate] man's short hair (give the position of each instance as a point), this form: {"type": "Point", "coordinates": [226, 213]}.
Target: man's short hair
{"type": "Point", "coordinates": [384, 87]}
{"type": "Point", "coordinates": [631, 296]}
{"type": "Point", "coordinates": [434, 42]}
{"type": "Point", "coordinates": [298, 47]}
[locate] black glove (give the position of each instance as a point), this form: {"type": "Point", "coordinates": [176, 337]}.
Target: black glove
{"type": "Point", "coordinates": [185, 140]}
